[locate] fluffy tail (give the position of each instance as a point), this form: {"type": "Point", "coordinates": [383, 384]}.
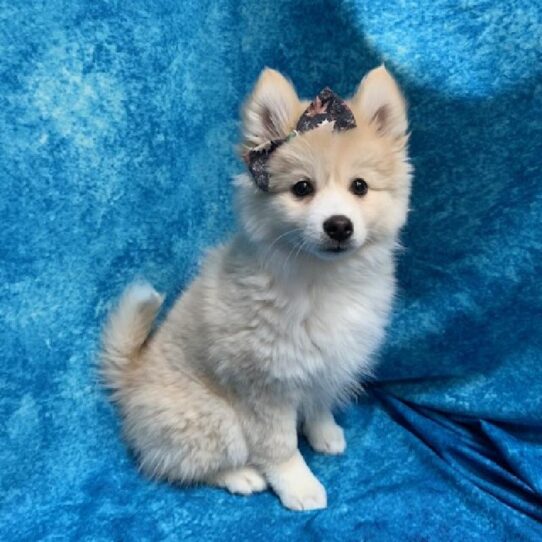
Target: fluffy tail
{"type": "Point", "coordinates": [127, 330]}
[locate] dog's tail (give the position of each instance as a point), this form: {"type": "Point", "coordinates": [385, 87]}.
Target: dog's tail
{"type": "Point", "coordinates": [126, 331]}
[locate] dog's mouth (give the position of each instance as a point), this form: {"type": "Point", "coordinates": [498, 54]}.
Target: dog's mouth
{"type": "Point", "coordinates": [328, 249]}
{"type": "Point", "coordinates": [336, 248]}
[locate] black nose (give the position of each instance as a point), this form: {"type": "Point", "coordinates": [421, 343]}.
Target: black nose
{"type": "Point", "coordinates": [338, 227]}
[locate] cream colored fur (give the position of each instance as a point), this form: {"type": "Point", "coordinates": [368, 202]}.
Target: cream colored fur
{"type": "Point", "coordinates": [276, 330]}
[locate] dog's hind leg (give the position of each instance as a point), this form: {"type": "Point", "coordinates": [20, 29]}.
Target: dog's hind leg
{"type": "Point", "coordinates": [180, 430]}
{"type": "Point", "coordinates": [242, 481]}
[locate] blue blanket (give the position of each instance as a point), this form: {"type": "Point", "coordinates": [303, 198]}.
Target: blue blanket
{"type": "Point", "coordinates": [117, 127]}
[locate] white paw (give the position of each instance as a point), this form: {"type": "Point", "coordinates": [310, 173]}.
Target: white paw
{"type": "Point", "coordinates": [327, 438]}
{"type": "Point", "coordinates": [305, 494]}
{"type": "Point", "coordinates": [296, 486]}
{"type": "Point", "coordinates": [243, 481]}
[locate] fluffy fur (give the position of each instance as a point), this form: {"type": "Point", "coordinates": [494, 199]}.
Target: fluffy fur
{"type": "Point", "coordinates": [282, 321]}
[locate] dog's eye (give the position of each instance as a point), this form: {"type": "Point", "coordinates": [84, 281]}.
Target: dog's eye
{"type": "Point", "coordinates": [359, 187]}
{"type": "Point", "coordinates": [303, 188]}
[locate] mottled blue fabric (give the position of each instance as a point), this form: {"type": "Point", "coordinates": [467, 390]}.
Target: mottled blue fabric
{"type": "Point", "coordinates": [117, 127]}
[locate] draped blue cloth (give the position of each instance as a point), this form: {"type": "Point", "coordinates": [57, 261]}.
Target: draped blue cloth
{"type": "Point", "coordinates": [117, 127]}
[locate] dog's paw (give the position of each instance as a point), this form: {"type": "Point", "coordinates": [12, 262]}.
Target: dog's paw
{"type": "Point", "coordinates": [327, 437]}
{"type": "Point", "coordinates": [243, 481]}
{"type": "Point", "coordinates": [304, 494]}
{"type": "Point", "coordinates": [296, 486]}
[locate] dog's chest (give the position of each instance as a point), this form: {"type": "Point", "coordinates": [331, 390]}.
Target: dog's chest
{"type": "Point", "coordinates": [323, 331]}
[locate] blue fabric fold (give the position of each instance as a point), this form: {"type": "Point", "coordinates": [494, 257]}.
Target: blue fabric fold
{"type": "Point", "coordinates": [480, 451]}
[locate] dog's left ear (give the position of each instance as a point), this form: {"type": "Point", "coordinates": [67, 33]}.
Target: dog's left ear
{"type": "Point", "coordinates": [270, 111]}
{"type": "Point", "coordinates": [380, 102]}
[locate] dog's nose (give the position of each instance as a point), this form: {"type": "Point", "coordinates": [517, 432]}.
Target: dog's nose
{"type": "Point", "coordinates": [338, 227]}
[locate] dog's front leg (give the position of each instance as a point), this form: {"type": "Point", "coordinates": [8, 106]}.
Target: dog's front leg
{"type": "Point", "coordinates": [295, 484]}
{"type": "Point", "coordinates": [323, 432]}
{"type": "Point", "coordinates": [272, 434]}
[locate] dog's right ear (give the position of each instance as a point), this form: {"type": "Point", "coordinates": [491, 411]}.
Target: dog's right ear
{"type": "Point", "coordinates": [270, 111]}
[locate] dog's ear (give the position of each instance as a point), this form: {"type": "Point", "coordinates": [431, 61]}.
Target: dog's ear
{"type": "Point", "coordinates": [380, 102]}
{"type": "Point", "coordinates": [270, 111]}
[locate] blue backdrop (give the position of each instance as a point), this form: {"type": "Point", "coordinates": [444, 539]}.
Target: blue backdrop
{"type": "Point", "coordinates": [117, 127]}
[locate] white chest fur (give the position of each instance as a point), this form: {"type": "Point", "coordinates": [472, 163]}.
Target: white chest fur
{"type": "Point", "coordinates": [312, 328]}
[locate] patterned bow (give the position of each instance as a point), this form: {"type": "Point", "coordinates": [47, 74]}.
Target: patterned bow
{"type": "Point", "coordinates": [326, 108]}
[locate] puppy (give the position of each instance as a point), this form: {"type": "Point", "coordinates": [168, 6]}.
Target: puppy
{"type": "Point", "coordinates": [281, 324]}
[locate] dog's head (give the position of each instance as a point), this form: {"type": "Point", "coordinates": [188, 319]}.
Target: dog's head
{"type": "Point", "coordinates": [328, 192]}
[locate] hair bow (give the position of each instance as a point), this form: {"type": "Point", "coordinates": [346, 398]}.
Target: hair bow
{"type": "Point", "coordinates": [326, 108]}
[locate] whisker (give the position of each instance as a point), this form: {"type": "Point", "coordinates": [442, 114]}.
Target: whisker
{"type": "Point", "coordinates": [296, 246]}
{"type": "Point", "coordinates": [270, 252]}
{"type": "Point", "coordinates": [303, 244]}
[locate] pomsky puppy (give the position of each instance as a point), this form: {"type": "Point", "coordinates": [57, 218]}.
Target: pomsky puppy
{"type": "Point", "coordinates": [281, 324]}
